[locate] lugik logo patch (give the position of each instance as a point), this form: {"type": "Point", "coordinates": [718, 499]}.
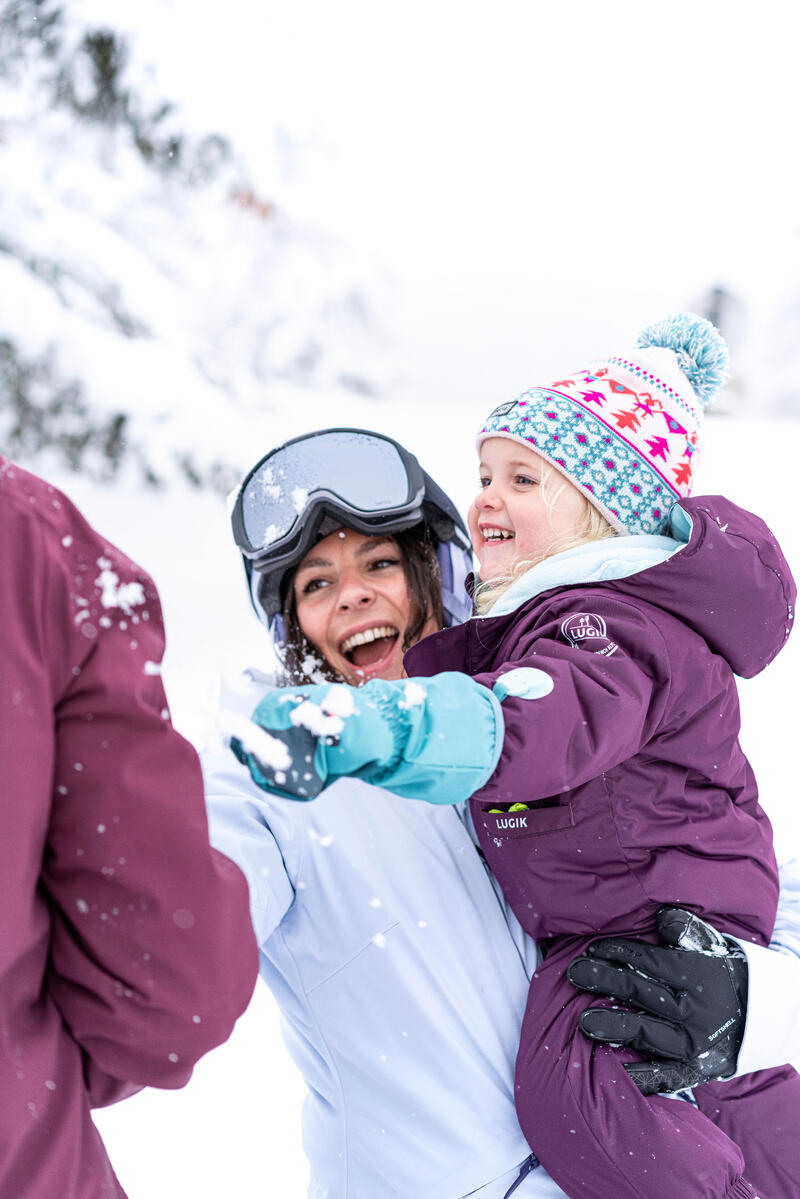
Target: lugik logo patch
{"type": "Point", "coordinates": [587, 630]}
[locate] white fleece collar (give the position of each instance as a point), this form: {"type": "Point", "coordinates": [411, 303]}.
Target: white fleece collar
{"type": "Point", "coordinates": [597, 561]}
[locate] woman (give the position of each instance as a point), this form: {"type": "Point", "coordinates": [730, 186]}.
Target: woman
{"type": "Point", "coordinates": [400, 973]}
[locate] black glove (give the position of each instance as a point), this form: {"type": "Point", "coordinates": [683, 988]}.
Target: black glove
{"type": "Point", "coordinates": [689, 1001]}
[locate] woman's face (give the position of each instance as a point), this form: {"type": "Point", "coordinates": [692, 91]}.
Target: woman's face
{"type": "Point", "coordinates": [353, 605]}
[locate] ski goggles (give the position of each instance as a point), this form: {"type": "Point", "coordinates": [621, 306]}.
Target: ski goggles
{"type": "Point", "coordinates": [370, 483]}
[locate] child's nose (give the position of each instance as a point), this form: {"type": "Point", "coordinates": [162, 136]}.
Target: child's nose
{"type": "Point", "coordinates": [487, 497]}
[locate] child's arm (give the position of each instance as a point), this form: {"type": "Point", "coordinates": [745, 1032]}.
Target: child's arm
{"type": "Point", "coordinates": [568, 713]}
{"type": "Point", "coordinates": [434, 739]}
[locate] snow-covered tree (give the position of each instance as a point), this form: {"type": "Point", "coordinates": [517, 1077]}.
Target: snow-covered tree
{"type": "Point", "coordinates": [157, 295]}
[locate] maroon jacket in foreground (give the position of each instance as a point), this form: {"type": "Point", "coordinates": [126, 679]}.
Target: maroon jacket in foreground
{"type": "Point", "coordinates": [125, 943]}
{"type": "Point", "coordinates": [640, 793]}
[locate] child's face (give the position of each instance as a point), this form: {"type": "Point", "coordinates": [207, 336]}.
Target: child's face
{"type": "Point", "coordinates": [509, 520]}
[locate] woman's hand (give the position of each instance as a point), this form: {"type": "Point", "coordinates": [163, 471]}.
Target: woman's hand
{"type": "Point", "coordinates": [686, 1001]}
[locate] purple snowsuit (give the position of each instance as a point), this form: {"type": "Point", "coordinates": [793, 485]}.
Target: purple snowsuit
{"type": "Point", "coordinates": [639, 796]}
{"type": "Point", "coordinates": [126, 949]}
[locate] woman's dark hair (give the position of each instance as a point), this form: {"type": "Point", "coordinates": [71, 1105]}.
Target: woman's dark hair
{"type": "Point", "coordinates": [302, 662]}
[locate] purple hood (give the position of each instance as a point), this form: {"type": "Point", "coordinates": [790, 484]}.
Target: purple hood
{"type": "Point", "coordinates": [730, 583]}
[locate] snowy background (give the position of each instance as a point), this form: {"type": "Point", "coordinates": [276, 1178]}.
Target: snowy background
{"type": "Point", "coordinates": [219, 229]}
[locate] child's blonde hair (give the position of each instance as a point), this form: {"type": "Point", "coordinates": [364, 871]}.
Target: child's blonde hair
{"type": "Point", "coordinates": [592, 526]}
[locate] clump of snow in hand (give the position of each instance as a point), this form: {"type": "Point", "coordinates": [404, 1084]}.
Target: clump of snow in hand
{"type": "Point", "coordinates": [325, 721]}
{"type": "Point", "coordinates": [339, 700]}
{"type": "Point", "coordinates": [114, 594]}
{"type": "Point", "coordinates": [414, 694]}
{"type": "Point", "coordinates": [308, 715]}
{"type": "Point", "coordinates": [254, 740]}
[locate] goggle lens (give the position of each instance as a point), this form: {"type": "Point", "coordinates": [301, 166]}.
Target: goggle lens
{"type": "Point", "coordinates": [365, 472]}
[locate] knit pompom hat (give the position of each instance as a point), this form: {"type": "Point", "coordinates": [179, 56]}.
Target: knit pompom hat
{"type": "Point", "coordinates": [627, 429]}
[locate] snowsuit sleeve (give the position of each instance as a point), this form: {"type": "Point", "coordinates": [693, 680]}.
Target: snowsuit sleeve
{"type": "Point", "coordinates": [239, 824]}
{"type": "Point", "coordinates": [583, 692]}
{"type": "Point", "coordinates": [151, 956]}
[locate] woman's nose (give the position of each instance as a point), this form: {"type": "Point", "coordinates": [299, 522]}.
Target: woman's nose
{"type": "Point", "coordinates": [354, 592]}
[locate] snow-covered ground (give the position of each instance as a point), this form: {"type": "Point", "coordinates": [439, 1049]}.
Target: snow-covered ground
{"type": "Point", "coordinates": [235, 1129]}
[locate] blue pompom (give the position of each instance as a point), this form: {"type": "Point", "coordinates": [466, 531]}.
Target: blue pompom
{"type": "Point", "coordinates": [702, 354]}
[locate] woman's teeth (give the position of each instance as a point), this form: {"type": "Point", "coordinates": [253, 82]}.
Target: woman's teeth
{"type": "Point", "coordinates": [367, 635]}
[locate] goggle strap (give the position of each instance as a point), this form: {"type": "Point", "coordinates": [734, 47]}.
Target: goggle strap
{"type": "Point", "coordinates": [454, 565]}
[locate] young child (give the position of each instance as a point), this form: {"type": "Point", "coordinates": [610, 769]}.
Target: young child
{"type": "Point", "coordinates": [613, 614]}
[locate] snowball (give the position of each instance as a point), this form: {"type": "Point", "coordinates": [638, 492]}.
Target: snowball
{"type": "Point", "coordinates": [254, 740]}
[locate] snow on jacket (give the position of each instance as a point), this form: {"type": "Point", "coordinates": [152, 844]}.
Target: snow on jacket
{"type": "Point", "coordinates": [125, 943]}
{"type": "Point", "coordinates": [625, 745]}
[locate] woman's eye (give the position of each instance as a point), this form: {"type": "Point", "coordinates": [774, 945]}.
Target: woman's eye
{"type": "Point", "coordinates": [383, 563]}
{"type": "Point", "coordinates": [312, 585]}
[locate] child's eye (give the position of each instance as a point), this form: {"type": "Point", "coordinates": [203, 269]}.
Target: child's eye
{"type": "Point", "coordinates": [525, 480]}
{"type": "Point", "coordinates": [484, 480]}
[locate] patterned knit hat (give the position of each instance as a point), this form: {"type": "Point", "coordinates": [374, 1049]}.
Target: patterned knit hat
{"type": "Point", "coordinates": [627, 430]}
